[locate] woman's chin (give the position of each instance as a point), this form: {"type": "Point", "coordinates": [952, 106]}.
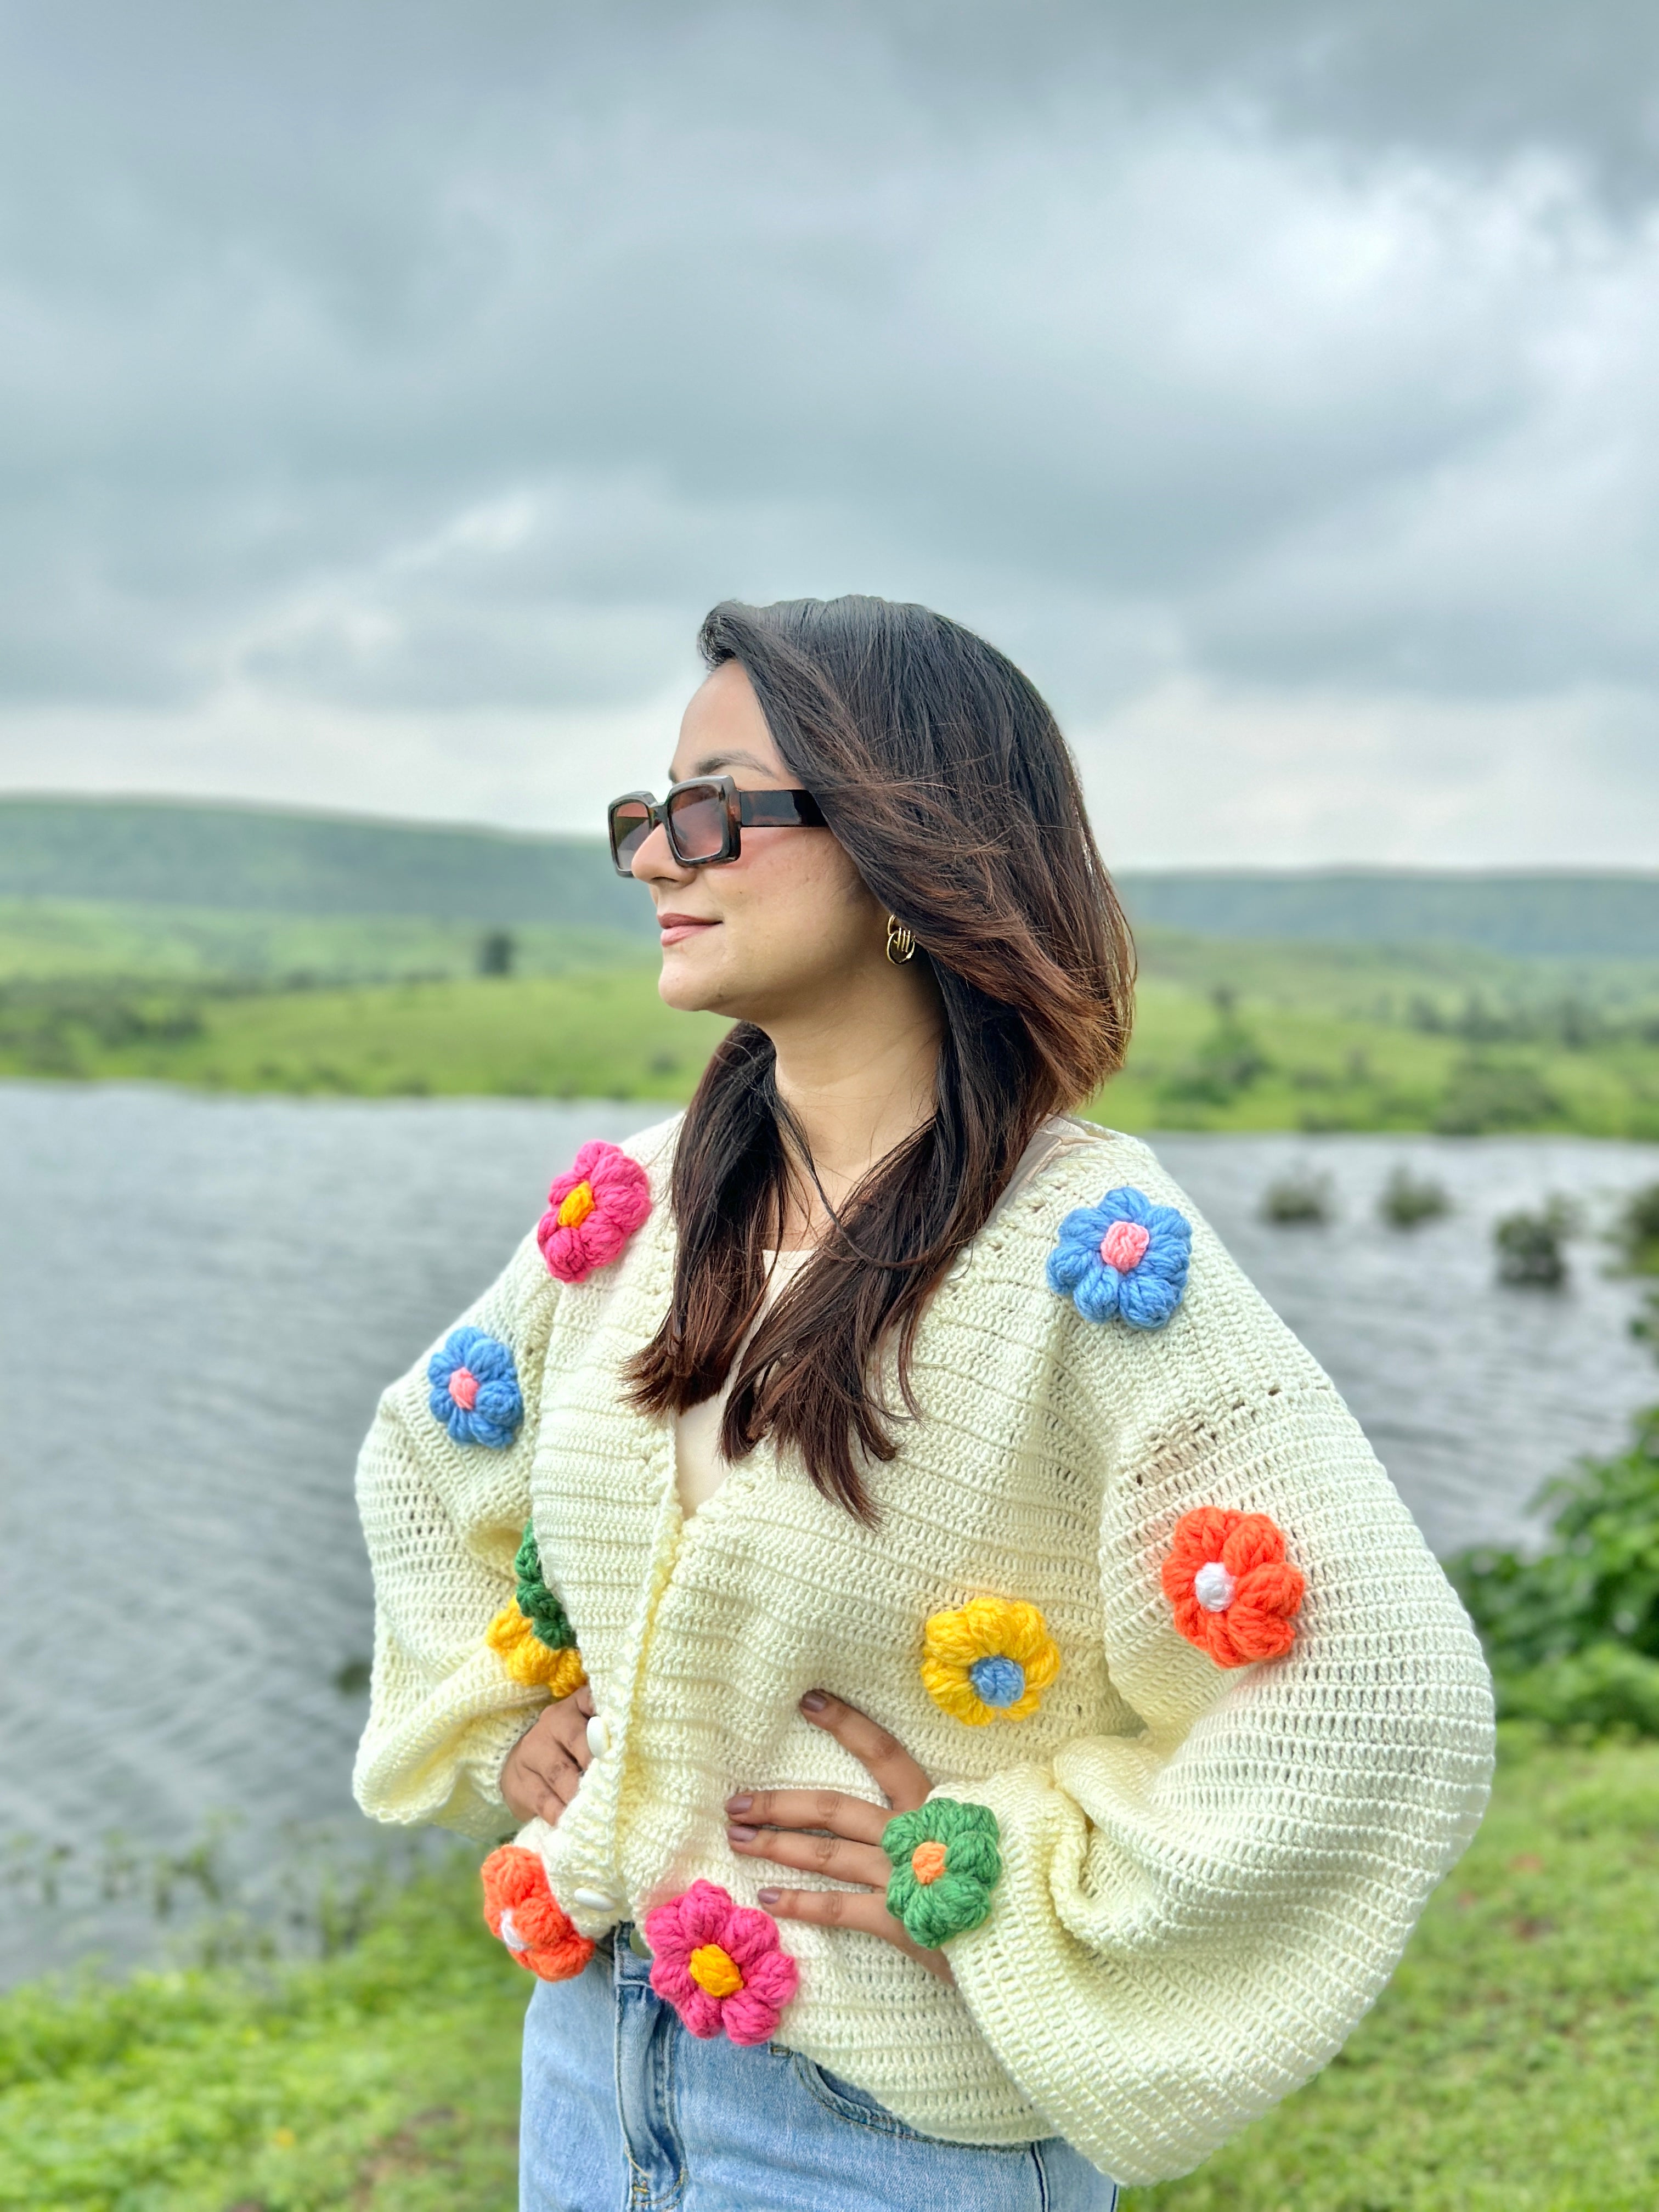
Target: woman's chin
{"type": "Point", "coordinates": [686, 985]}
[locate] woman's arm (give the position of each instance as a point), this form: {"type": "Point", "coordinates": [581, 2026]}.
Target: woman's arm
{"type": "Point", "coordinates": [444, 1492]}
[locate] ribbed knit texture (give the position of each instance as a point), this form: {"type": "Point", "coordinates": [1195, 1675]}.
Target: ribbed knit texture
{"type": "Point", "coordinates": [1208, 1873]}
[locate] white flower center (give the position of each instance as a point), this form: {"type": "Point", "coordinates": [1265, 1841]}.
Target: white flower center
{"type": "Point", "coordinates": [1213, 1587]}
{"type": "Point", "coordinates": [510, 1935]}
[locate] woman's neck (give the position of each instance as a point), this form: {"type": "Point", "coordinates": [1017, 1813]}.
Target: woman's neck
{"type": "Point", "coordinates": [857, 1081]}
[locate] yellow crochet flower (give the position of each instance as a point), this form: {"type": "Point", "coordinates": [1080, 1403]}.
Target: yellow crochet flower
{"type": "Point", "coordinates": [527, 1659]}
{"type": "Point", "coordinates": [990, 1659]}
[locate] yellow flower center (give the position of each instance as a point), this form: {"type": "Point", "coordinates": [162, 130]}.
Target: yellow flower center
{"type": "Point", "coordinates": [578, 1205]}
{"type": "Point", "coordinates": [927, 1863]}
{"type": "Point", "coordinates": [711, 1968]}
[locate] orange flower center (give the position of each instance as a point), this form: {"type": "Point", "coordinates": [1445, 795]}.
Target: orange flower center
{"type": "Point", "coordinates": [577, 1206]}
{"type": "Point", "coordinates": [927, 1863]}
{"type": "Point", "coordinates": [709, 1967]}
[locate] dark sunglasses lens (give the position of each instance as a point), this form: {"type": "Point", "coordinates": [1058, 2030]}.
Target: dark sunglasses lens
{"type": "Point", "coordinates": [698, 818]}
{"type": "Point", "coordinates": [630, 825]}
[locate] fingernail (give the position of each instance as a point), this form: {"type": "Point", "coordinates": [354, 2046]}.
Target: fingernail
{"type": "Point", "coordinates": [769, 1896]}
{"type": "Point", "coordinates": [738, 1804]}
{"type": "Point", "coordinates": [813, 1701]}
{"type": "Point", "coordinates": [739, 1835]}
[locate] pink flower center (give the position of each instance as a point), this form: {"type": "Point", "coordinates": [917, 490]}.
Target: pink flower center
{"type": "Point", "coordinates": [464, 1389]}
{"type": "Point", "coordinates": [1124, 1246]}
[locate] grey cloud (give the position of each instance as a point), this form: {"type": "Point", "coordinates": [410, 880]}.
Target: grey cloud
{"type": "Point", "coordinates": [1300, 344]}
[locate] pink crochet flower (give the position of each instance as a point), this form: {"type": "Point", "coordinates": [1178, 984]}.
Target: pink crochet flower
{"type": "Point", "coordinates": [719, 1965]}
{"type": "Point", "coordinates": [592, 1211]}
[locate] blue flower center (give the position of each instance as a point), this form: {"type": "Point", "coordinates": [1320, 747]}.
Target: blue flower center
{"type": "Point", "coordinates": [998, 1681]}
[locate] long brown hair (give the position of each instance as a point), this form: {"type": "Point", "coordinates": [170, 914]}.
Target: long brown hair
{"type": "Point", "coordinates": [942, 772]}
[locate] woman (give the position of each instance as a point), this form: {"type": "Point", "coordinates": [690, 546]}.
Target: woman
{"type": "Point", "coordinates": [981, 1720]}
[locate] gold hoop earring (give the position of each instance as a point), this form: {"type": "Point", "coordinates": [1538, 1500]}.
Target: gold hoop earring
{"type": "Point", "coordinates": [901, 941]}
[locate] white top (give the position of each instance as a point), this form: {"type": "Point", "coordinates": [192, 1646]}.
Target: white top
{"type": "Point", "coordinates": [699, 1466]}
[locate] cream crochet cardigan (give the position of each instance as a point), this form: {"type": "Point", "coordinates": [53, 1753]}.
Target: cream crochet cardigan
{"type": "Point", "coordinates": [1209, 1873]}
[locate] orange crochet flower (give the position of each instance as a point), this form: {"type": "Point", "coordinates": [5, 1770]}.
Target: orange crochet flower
{"type": "Point", "coordinates": [520, 1908]}
{"type": "Point", "coordinates": [1232, 1589]}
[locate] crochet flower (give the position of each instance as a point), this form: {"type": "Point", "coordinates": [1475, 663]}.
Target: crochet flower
{"type": "Point", "coordinates": [592, 1211]}
{"type": "Point", "coordinates": [520, 1908]}
{"type": "Point", "coordinates": [475, 1389]}
{"type": "Point", "coordinates": [990, 1659]}
{"type": "Point", "coordinates": [1233, 1590]}
{"type": "Point", "coordinates": [719, 1965]}
{"type": "Point", "coordinates": [1124, 1256]}
{"type": "Point", "coordinates": [532, 1636]}
{"type": "Point", "coordinates": [946, 1860]}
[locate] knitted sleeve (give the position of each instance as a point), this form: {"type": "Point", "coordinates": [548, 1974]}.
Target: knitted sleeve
{"type": "Point", "coordinates": [443, 1488]}
{"type": "Point", "coordinates": [1191, 1919]}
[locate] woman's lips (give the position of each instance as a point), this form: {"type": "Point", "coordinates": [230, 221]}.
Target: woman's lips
{"type": "Point", "coordinates": [676, 928]}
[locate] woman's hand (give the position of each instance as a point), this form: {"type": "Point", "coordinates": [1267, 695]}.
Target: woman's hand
{"type": "Point", "coordinates": [778, 1825]}
{"type": "Point", "coordinates": [540, 1775]}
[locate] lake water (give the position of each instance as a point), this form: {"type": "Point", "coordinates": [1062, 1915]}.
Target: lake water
{"type": "Point", "coordinates": [200, 1299]}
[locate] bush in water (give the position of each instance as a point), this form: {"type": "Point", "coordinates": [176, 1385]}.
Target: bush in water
{"type": "Point", "coordinates": [1299, 1197]}
{"type": "Point", "coordinates": [1572, 1636]}
{"type": "Point", "coordinates": [1638, 1232]}
{"type": "Point", "coordinates": [1529, 1247]}
{"type": "Point", "coordinates": [1406, 1200]}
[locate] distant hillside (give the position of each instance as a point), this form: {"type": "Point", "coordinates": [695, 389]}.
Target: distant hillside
{"type": "Point", "coordinates": [145, 851]}
{"type": "Point", "coordinates": [1608, 917]}
{"type": "Point", "coordinates": [160, 852]}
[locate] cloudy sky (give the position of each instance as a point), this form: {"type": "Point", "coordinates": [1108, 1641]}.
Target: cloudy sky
{"type": "Point", "coordinates": [387, 387]}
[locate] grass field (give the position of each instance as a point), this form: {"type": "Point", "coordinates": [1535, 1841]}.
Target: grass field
{"type": "Point", "coordinates": [1229, 1034]}
{"type": "Point", "coordinates": [1507, 2068]}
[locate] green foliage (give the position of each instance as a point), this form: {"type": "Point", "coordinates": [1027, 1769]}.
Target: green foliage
{"type": "Point", "coordinates": [1228, 1059]}
{"type": "Point", "coordinates": [1572, 1635]}
{"type": "Point", "coordinates": [1638, 1233]}
{"type": "Point", "coordinates": [1502, 2068]}
{"type": "Point", "coordinates": [383, 2078]}
{"type": "Point", "coordinates": [1407, 1199]}
{"type": "Point", "coordinates": [1529, 1247]}
{"type": "Point", "coordinates": [1298, 1199]}
{"type": "Point", "coordinates": [1486, 1097]}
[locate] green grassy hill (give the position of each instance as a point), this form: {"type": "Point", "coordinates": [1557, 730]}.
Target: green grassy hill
{"type": "Point", "coordinates": [156, 852]}
{"type": "Point", "coordinates": [160, 852]}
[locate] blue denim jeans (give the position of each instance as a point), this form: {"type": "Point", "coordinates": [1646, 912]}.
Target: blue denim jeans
{"type": "Point", "coordinates": [624, 2112]}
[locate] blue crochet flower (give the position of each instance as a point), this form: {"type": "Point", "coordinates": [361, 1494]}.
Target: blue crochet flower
{"type": "Point", "coordinates": [1124, 1257]}
{"type": "Point", "coordinates": [475, 1389]}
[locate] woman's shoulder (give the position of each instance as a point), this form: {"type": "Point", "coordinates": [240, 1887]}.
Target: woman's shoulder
{"type": "Point", "coordinates": [1130, 1271]}
{"type": "Point", "coordinates": [653, 1148]}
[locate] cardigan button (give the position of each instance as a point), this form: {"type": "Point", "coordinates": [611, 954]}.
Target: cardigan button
{"type": "Point", "coordinates": [598, 1736]}
{"type": "Point", "coordinates": [595, 1901]}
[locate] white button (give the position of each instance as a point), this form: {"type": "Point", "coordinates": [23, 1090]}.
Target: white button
{"type": "Point", "coordinates": [594, 1901]}
{"type": "Point", "coordinates": [598, 1736]}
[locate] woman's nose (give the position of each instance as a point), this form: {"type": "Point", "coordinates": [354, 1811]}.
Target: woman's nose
{"type": "Point", "coordinates": [655, 860]}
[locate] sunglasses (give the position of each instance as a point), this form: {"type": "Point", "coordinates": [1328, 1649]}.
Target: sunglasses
{"type": "Point", "coordinates": [704, 820]}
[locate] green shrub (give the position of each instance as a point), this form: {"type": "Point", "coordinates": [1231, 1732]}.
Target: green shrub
{"type": "Point", "coordinates": [1484, 1095]}
{"type": "Point", "coordinates": [1529, 1247]}
{"type": "Point", "coordinates": [1638, 1232]}
{"type": "Point", "coordinates": [1572, 1635]}
{"type": "Point", "coordinates": [1407, 1198]}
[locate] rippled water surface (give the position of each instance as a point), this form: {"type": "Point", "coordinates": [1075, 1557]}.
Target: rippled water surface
{"type": "Point", "coordinates": [201, 1298]}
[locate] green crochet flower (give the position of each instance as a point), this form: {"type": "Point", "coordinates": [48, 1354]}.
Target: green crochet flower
{"type": "Point", "coordinates": [549, 1623]}
{"type": "Point", "coordinates": [947, 1861]}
